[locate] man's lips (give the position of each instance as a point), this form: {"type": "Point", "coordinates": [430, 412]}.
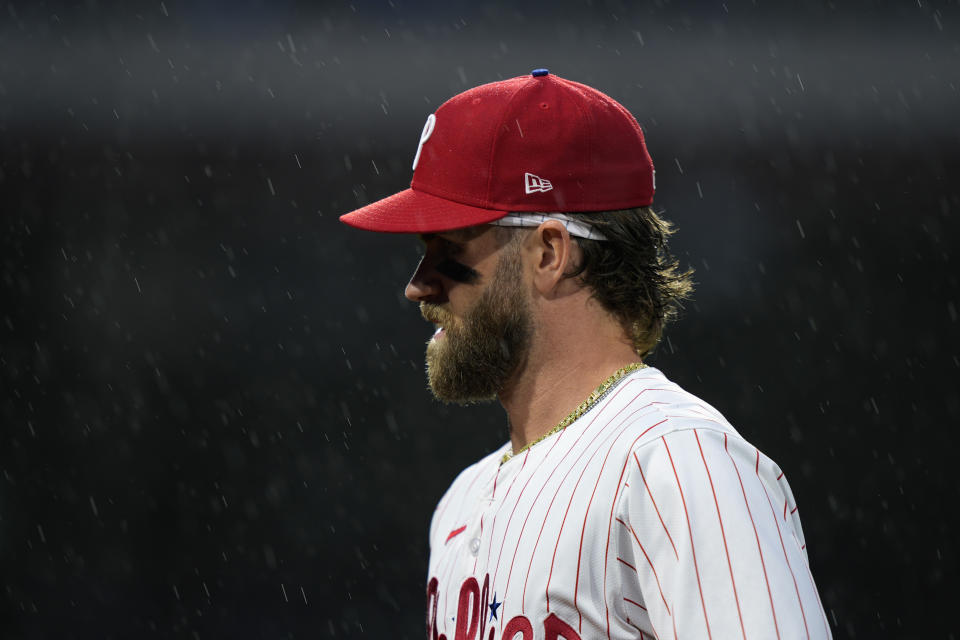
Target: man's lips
{"type": "Point", "coordinates": [438, 318]}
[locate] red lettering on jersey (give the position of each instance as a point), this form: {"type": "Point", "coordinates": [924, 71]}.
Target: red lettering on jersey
{"type": "Point", "coordinates": [519, 624]}
{"type": "Point", "coordinates": [472, 617]}
{"type": "Point", "coordinates": [432, 599]}
{"type": "Point", "coordinates": [468, 610]}
{"type": "Point", "coordinates": [555, 628]}
{"type": "Point", "coordinates": [483, 606]}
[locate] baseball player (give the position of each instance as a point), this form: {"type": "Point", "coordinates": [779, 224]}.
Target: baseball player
{"type": "Point", "coordinates": [622, 506]}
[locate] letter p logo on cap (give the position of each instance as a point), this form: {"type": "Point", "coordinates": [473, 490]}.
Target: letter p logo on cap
{"type": "Point", "coordinates": [424, 136]}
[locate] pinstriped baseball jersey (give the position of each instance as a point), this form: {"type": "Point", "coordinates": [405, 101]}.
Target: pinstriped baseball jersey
{"type": "Point", "coordinates": [649, 517]}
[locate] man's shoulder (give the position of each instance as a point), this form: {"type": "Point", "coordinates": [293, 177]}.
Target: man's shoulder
{"type": "Point", "coordinates": [648, 406]}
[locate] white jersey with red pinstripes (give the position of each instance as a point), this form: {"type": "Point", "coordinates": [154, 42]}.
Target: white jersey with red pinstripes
{"type": "Point", "coordinates": [649, 517]}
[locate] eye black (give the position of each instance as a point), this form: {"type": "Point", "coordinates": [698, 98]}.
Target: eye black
{"type": "Point", "coordinates": [457, 271]}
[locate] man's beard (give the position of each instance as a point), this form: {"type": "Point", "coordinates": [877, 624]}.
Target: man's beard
{"type": "Point", "coordinates": [476, 356]}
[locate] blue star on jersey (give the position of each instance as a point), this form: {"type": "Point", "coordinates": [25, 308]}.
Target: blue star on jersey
{"type": "Point", "coordinates": [494, 606]}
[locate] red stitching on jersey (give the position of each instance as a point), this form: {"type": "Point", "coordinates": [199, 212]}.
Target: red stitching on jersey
{"type": "Point", "coordinates": [690, 531]}
{"type": "Point", "coordinates": [699, 417]}
{"type": "Point", "coordinates": [793, 511]}
{"type": "Point", "coordinates": [723, 534]}
{"type": "Point", "coordinates": [546, 515]}
{"type": "Point", "coordinates": [480, 535]}
{"type": "Point", "coordinates": [779, 476]}
{"type": "Point", "coordinates": [493, 525]}
{"type": "Point", "coordinates": [784, 508]}
{"type": "Point", "coordinates": [586, 513]}
{"type": "Point", "coordinates": [637, 604]}
{"type": "Point", "coordinates": [756, 535]}
{"type": "Point", "coordinates": [652, 568]}
{"type": "Point", "coordinates": [577, 484]}
{"type": "Point", "coordinates": [627, 563]}
{"type": "Point", "coordinates": [455, 533]}
{"type": "Point", "coordinates": [523, 596]}
{"type": "Point", "coordinates": [566, 512]}
{"type": "Point", "coordinates": [613, 504]}
{"type": "Point", "coordinates": [785, 556]}
{"type": "Point", "coordinates": [702, 411]}
{"type": "Point", "coordinates": [515, 505]}
{"type": "Point", "coordinates": [826, 625]}
{"type": "Point", "coordinates": [656, 508]}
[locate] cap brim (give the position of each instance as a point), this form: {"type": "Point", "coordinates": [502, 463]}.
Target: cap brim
{"type": "Point", "coordinates": [412, 211]}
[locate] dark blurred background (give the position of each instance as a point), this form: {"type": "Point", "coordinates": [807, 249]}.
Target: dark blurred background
{"type": "Point", "coordinates": [214, 415]}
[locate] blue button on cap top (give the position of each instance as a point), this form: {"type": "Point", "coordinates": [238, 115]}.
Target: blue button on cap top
{"type": "Point", "coordinates": [537, 73]}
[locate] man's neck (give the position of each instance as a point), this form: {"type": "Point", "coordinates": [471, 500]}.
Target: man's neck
{"type": "Point", "coordinates": [553, 382]}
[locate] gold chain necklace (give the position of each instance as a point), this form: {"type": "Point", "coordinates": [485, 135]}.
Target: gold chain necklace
{"type": "Point", "coordinates": [584, 406]}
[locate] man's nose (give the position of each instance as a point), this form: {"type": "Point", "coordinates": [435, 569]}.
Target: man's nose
{"type": "Point", "coordinates": [424, 285]}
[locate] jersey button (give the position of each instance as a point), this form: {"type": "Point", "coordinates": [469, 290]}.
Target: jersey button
{"type": "Point", "coordinates": [475, 546]}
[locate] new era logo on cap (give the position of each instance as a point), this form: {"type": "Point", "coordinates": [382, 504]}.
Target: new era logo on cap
{"type": "Point", "coordinates": [535, 184]}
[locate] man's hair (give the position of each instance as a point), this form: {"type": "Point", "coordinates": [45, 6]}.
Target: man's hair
{"type": "Point", "coordinates": [632, 274]}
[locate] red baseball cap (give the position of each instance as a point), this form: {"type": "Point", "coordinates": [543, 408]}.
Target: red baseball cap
{"type": "Point", "coordinates": [532, 143]}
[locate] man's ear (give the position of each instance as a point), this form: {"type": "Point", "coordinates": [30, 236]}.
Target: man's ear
{"type": "Point", "coordinates": [552, 250]}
